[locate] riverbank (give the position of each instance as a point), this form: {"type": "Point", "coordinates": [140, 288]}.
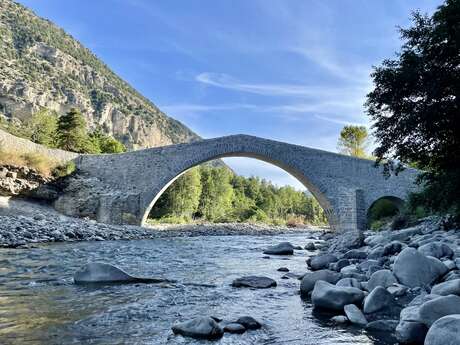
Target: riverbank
{"type": "Point", "coordinates": [24, 223]}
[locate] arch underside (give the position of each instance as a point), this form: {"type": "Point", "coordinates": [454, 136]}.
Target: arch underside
{"type": "Point", "coordinates": [154, 194]}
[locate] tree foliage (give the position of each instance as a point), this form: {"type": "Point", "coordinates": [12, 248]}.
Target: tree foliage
{"type": "Point", "coordinates": [415, 105]}
{"type": "Point", "coordinates": [215, 194]}
{"type": "Point", "coordinates": [43, 127]}
{"type": "Point", "coordinates": [353, 141]}
{"type": "Point", "coordinates": [72, 134]}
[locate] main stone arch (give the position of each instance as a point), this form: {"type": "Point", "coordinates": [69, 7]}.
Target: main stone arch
{"type": "Point", "coordinates": [344, 186]}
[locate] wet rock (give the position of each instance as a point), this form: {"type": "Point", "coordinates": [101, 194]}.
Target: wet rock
{"type": "Point", "coordinates": [97, 272]}
{"type": "Point", "coordinates": [384, 278]}
{"type": "Point", "coordinates": [436, 249]}
{"type": "Point", "coordinates": [256, 282]}
{"type": "Point", "coordinates": [283, 269]}
{"type": "Point", "coordinates": [433, 310]}
{"type": "Point", "coordinates": [382, 325]}
{"type": "Point", "coordinates": [355, 315]}
{"type": "Point", "coordinates": [410, 330]}
{"type": "Point", "coordinates": [445, 331]}
{"type": "Point", "coordinates": [322, 261]}
{"type": "Point", "coordinates": [309, 280]}
{"type": "Point", "coordinates": [340, 319]}
{"type": "Point", "coordinates": [310, 246]}
{"type": "Point", "coordinates": [413, 269]}
{"type": "Point", "coordinates": [249, 322]}
{"type": "Point", "coordinates": [451, 287]}
{"type": "Point", "coordinates": [283, 248]}
{"type": "Point", "coordinates": [377, 300]}
{"type": "Point", "coordinates": [234, 327]}
{"type": "Point", "coordinates": [199, 328]}
{"type": "Point", "coordinates": [328, 296]}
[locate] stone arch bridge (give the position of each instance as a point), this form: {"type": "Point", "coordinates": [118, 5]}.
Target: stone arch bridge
{"type": "Point", "coordinates": [344, 186]}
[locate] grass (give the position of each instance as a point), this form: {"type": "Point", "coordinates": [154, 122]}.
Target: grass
{"type": "Point", "coordinates": [43, 164]}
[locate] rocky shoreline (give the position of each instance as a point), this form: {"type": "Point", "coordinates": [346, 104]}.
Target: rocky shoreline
{"type": "Point", "coordinates": [22, 231]}
{"type": "Point", "coordinates": [404, 282]}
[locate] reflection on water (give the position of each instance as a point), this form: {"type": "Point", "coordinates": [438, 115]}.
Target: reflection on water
{"type": "Point", "coordinates": [39, 304]}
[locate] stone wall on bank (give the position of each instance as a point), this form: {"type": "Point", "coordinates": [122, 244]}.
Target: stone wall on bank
{"type": "Point", "coordinates": [9, 142]}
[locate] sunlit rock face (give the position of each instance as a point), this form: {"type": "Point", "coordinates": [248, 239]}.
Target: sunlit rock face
{"type": "Point", "coordinates": [42, 66]}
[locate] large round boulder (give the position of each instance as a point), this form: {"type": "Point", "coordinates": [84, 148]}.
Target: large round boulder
{"type": "Point", "coordinates": [328, 296]}
{"type": "Point", "coordinates": [433, 310]}
{"type": "Point", "coordinates": [283, 248]}
{"type": "Point", "coordinates": [199, 328]}
{"type": "Point", "coordinates": [445, 331]}
{"type": "Point", "coordinates": [413, 269]}
{"type": "Point", "coordinates": [309, 280]}
{"type": "Point", "coordinates": [410, 330]}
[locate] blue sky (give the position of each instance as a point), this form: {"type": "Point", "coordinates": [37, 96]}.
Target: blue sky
{"type": "Point", "coordinates": [295, 71]}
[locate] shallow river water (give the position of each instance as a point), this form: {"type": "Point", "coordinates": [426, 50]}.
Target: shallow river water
{"type": "Point", "coordinates": [39, 304]}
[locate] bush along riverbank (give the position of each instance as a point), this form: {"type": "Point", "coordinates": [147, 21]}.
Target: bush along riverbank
{"type": "Point", "coordinates": [406, 282]}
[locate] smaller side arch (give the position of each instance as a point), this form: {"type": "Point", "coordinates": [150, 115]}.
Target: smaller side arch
{"type": "Point", "coordinates": [384, 207]}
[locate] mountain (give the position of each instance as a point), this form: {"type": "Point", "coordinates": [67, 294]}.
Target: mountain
{"type": "Point", "coordinates": [42, 66]}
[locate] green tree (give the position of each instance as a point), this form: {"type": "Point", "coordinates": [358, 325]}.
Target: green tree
{"type": "Point", "coordinates": [415, 105]}
{"type": "Point", "coordinates": [353, 141]}
{"type": "Point", "coordinates": [43, 127]}
{"type": "Point", "coordinates": [217, 193]}
{"type": "Point", "coordinates": [71, 133]}
{"type": "Point", "coordinates": [105, 143]}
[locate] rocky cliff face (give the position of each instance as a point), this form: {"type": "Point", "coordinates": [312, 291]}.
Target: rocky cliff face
{"type": "Point", "coordinates": [42, 66]}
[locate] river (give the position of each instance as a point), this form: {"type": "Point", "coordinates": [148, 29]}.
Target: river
{"type": "Point", "coordinates": [39, 304]}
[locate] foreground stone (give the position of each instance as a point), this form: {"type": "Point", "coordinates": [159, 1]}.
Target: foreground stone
{"type": "Point", "coordinates": [97, 272]}
{"type": "Point", "coordinates": [445, 331]}
{"type": "Point", "coordinates": [328, 296]}
{"type": "Point", "coordinates": [413, 269]}
{"type": "Point", "coordinates": [256, 282]}
{"type": "Point", "coordinates": [199, 328]}
{"type": "Point", "coordinates": [283, 248]}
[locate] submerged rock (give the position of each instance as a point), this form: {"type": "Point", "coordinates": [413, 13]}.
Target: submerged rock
{"type": "Point", "coordinates": [283, 248]}
{"type": "Point", "coordinates": [256, 282]}
{"type": "Point", "coordinates": [97, 272]}
{"type": "Point", "coordinates": [199, 328]}
{"type": "Point", "coordinates": [249, 322]}
{"type": "Point", "coordinates": [234, 327]}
